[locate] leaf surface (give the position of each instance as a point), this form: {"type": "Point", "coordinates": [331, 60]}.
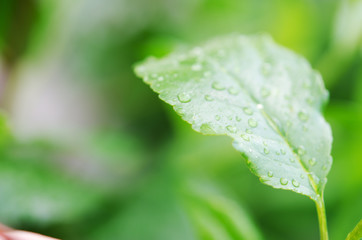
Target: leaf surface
{"type": "Point", "coordinates": [356, 233]}
{"type": "Point", "coordinates": [265, 97]}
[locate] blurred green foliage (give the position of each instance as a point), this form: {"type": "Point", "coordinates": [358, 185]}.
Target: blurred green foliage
{"type": "Point", "coordinates": [88, 151]}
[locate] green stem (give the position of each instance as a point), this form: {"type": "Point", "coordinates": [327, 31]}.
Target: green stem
{"type": "Point", "coordinates": [322, 218]}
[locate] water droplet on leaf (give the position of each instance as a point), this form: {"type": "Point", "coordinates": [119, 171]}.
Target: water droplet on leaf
{"type": "Point", "coordinates": [312, 161]}
{"type": "Point", "coordinates": [270, 174]}
{"type": "Point", "coordinates": [248, 111]}
{"type": "Point", "coordinates": [209, 98]}
{"type": "Point", "coordinates": [310, 100]}
{"type": "Point", "coordinates": [266, 151]}
{"type": "Point", "coordinates": [207, 74]}
{"type": "Point", "coordinates": [295, 183]}
{"type": "Point", "coordinates": [217, 86]}
{"type": "Point", "coordinates": [266, 69]}
{"type": "Point", "coordinates": [184, 97]}
{"type": "Point", "coordinates": [196, 67]}
{"type": "Point", "coordinates": [249, 131]}
{"type": "Point", "coordinates": [206, 128]}
{"type": "Point", "coordinates": [231, 129]}
{"type": "Point", "coordinates": [265, 92]}
{"type": "Point", "coordinates": [252, 123]}
{"type": "Point", "coordinates": [233, 91]}
{"type": "Point", "coordinates": [301, 151]}
{"type": "Point", "coordinates": [283, 181]}
{"type": "Point", "coordinates": [303, 116]}
{"type": "Point", "coordinates": [245, 137]}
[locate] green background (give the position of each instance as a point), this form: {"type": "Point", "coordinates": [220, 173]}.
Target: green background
{"type": "Point", "coordinates": [88, 151]}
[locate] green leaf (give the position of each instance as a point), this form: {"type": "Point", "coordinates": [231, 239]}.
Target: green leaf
{"type": "Point", "coordinates": [265, 97]}
{"type": "Point", "coordinates": [216, 213]}
{"type": "Point", "coordinates": [356, 233]}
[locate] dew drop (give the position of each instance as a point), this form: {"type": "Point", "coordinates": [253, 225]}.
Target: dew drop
{"type": "Point", "coordinates": [260, 106]}
{"type": "Point", "coordinates": [312, 161]}
{"type": "Point", "coordinates": [266, 69]}
{"type": "Point", "coordinates": [221, 52]}
{"type": "Point", "coordinates": [265, 92]}
{"type": "Point", "coordinates": [217, 117]}
{"type": "Point", "coordinates": [301, 151]}
{"type": "Point", "coordinates": [197, 51]}
{"type": "Point", "coordinates": [295, 183]}
{"type": "Point", "coordinates": [207, 129]}
{"type": "Point", "coordinates": [283, 151]}
{"type": "Point", "coordinates": [217, 86]}
{"type": "Point", "coordinates": [301, 176]}
{"type": "Point", "coordinates": [245, 137]}
{"type": "Point", "coordinates": [207, 74]}
{"type": "Point", "coordinates": [303, 116]}
{"type": "Point", "coordinates": [196, 67]}
{"type": "Point", "coordinates": [209, 98]}
{"type": "Point", "coordinates": [262, 180]}
{"type": "Point", "coordinates": [233, 91]}
{"type": "Point", "coordinates": [231, 129]}
{"type": "Point", "coordinates": [270, 174]}
{"type": "Point", "coordinates": [325, 168]}
{"type": "Point", "coordinates": [292, 160]}
{"type": "Point", "coordinates": [160, 78]}
{"type": "Point", "coordinates": [248, 111]}
{"type": "Point", "coordinates": [283, 181]}
{"type": "Point", "coordinates": [238, 118]}
{"type": "Point", "coordinates": [266, 151]}
{"type": "Point", "coordinates": [264, 143]}
{"type": "Point", "coordinates": [184, 97]}
{"type": "Point", "coordinates": [310, 100]}
{"type": "Point", "coordinates": [306, 85]}
{"type": "Point", "coordinates": [277, 153]}
{"type": "Point", "coordinates": [249, 131]}
{"type": "Point", "coordinates": [252, 123]}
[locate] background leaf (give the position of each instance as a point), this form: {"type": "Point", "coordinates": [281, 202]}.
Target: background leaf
{"type": "Point", "coordinates": [265, 97]}
{"type": "Point", "coordinates": [356, 233]}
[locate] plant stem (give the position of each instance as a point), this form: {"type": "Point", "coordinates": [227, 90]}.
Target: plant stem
{"type": "Point", "coordinates": [322, 218]}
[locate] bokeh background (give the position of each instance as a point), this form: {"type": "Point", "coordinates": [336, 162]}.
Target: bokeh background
{"type": "Point", "coordinates": [88, 151]}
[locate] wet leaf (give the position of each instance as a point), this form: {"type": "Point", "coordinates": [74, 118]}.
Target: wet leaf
{"type": "Point", "coordinates": [265, 97]}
